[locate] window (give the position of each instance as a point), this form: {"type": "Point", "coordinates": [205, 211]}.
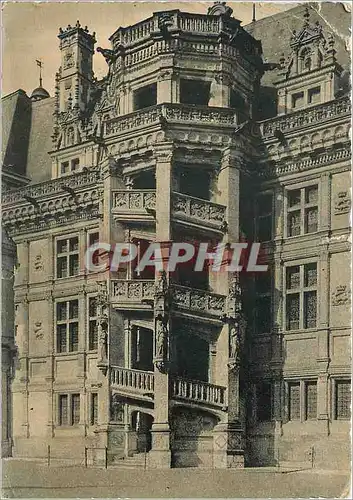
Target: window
{"type": "Point", "coordinates": [302, 208]}
{"type": "Point", "coordinates": [69, 409]}
{"type": "Point", "coordinates": [93, 238]}
{"type": "Point", "coordinates": [298, 100]}
{"type": "Point", "coordinates": [343, 399]}
{"type": "Point", "coordinates": [314, 95]}
{"type": "Point", "coordinates": [264, 402]}
{"type": "Point", "coordinates": [75, 163]}
{"type": "Point", "coordinates": [194, 92]}
{"type": "Point", "coordinates": [263, 302]}
{"type": "Point", "coordinates": [65, 168]}
{"type": "Point", "coordinates": [264, 217]}
{"type": "Point", "coordinates": [145, 96]}
{"type": "Point", "coordinates": [310, 401]}
{"type": "Point", "coordinates": [94, 409]}
{"type": "Point", "coordinates": [67, 326]}
{"type": "Point", "coordinates": [92, 324]}
{"type": "Point", "coordinates": [301, 296]}
{"type": "Point", "coordinates": [294, 401]}
{"type": "Point", "coordinates": [67, 257]}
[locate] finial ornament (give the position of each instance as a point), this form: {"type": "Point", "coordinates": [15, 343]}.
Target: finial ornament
{"type": "Point", "coordinates": [306, 16]}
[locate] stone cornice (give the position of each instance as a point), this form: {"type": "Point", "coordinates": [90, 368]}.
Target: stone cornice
{"type": "Point", "coordinates": [305, 164]}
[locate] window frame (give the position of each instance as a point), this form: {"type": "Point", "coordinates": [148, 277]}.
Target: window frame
{"type": "Point", "coordinates": [93, 415]}
{"type": "Point", "coordinates": [68, 321]}
{"type": "Point", "coordinates": [67, 255]}
{"type": "Point", "coordinates": [303, 406]}
{"type": "Point", "coordinates": [335, 382]}
{"type": "Point", "coordinates": [302, 290]}
{"type": "Point", "coordinates": [259, 296]}
{"type": "Point", "coordinates": [302, 208]}
{"type": "Point", "coordinates": [70, 407]}
{"type": "Point", "coordinates": [91, 319]}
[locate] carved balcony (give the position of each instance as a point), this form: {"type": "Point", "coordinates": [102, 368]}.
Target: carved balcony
{"type": "Point", "coordinates": [307, 117]}
{"type": "Point", "coordinates": [172, 114]}
{"type": "Point", "coordinates": [132, 294]}
{"type": "Point", "coordinates": [200, 303]}
{"type": "Point", "coordinates": [134, 205]}
{"type": "Point", "coordinates": [128, 381]}
{"type": "Point", "coordinates": [139, 294]}
{"type": "Point", "coordinates": [195, 391]}
{"type": "Point", "coordinates": [198, 212]}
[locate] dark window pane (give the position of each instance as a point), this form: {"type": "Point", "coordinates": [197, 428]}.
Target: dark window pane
{"type": "Point", "coordinates": [264, 402]}
{"type": "Point", "coordinates": [93, 238]}
{"type": "Point", "coordinates": [294, 401]}
{"type": "Point", "coordinates": [73, 310]}
{"type": "Point", "coordinates": [311, 400]}
{"type": "Point", "coordinates": [292, 311]}
{"type": "Point", "coordinates": [311, 194]}
{"type": "Point", "coordinates": [73, 332]}
{"type": "Point", "coordinates": [65, 167]}
{"type": "Point", "coordinates": [73, 264]}
{"type": "Point", "coordinates": [75, 164]}
{"type": "Point", "coordinates": [94, 408]}
{"type": "Point", "coordinates": [75, 409]}
{"type": "Point", "coordinates": [343, 399]}
{"type": "Point", "coordinates": [63, 409]}
{"type": "Point", "coordinates": [293, 277]}
{"type": "Point", "coordinates": [93, 335]}
{"type": "Point", "coordinates": [311, 220]}
{"type": "Point", "coordinates": [61, 267]}
{"type": "Point", "coordinates": [74, 244]}
{"type": "Point", "coordinates": [194, 92]}
{"type": "Point", "coordinates": [294, 223]}
{"type": "Point", "coordinates": [264, 282]}
{"type": "Point", "coordinates": [61, 246]}
{"type": "Point", "coordinates": [61, 338]}
{"type": "Point", "coordinates": [310, 274]}
{"type": "Point", "coordinates": [145, 96]}
{"type": "Point", "coordinates": [294, 198]}
{"type": "Point", "coordinates": [61, 311]}
{"type": "Point", "coordinates": [92, 307]}
{"type": "Point", "coordinates": [310, 309]}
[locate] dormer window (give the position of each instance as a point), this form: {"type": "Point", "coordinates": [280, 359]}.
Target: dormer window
{"type": "Point", "coordinates": [69, 166]}
{"type": "Point", "coordinates": [306, 60]}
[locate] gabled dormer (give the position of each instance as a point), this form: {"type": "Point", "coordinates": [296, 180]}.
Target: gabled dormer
{"type": "Point", "coordinates": [310, 75]}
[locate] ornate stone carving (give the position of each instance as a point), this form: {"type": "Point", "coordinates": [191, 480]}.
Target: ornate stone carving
{"type": "Point", "coordinates": [307, 117]}
{"type": "Point", "coordinates": [102, 325]}
{"type": "Point", "coordinates": [341, 296]}
{"type": "Point", "coordinates": [38, 330]}
{"type": "Point", "coordinates": [342, 203]}
{"type": "Point", "coordinates": [116, 409]}
{"type": "Point", "coordinates": [38, 263]}
{"type": "Point", "coordinates": [161, 328]}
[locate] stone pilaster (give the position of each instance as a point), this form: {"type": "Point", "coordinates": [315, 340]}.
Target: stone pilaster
{"type": "Point", "coordinates": [160, 454]}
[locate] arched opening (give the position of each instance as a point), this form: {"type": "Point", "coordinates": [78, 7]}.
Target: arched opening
{"type": "Point", "coordinates": [141, 425]}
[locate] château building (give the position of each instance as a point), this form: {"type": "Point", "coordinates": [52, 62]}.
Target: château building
{"type": "Point", "coordinates": [201, 131]}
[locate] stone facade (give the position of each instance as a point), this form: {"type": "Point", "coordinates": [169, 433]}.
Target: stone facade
{"type": "Point", "coordinates": [195, 369]}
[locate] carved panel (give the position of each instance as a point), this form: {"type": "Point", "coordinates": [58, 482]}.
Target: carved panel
{"type": "Point", "coordinates": [341, 295]}
{"type": "Point", "coordinates": [342, 203]}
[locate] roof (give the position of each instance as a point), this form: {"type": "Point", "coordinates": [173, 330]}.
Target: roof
{"type": "Point", "coordinates": [275, 31]}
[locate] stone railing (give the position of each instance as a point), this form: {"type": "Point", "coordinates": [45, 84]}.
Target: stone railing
{"type": "Point", "coordinates": [132, 290]}
{"type": "Point", "coordinates": [198, 392]}
{"type": "Point", "coordinates": [47, 188]}
{"type": "Point", "coordinates": [172, 113]}
{"type": "Point", "coordinates": [308, 116]}
{"type": "Point", "coordinates": [136, 380]}
{"type": "Point", "coordinates": [204, 211]}
{"type": "Point", "coordinates": [135, 199]}
{"type": "Point", "coordinates": [198, 301]}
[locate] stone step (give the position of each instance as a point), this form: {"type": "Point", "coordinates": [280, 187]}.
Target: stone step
{"type": "Point", "coordinates": [134, 462]}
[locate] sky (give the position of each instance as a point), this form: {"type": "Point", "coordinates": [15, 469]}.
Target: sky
{"type": "Point", "coordinates": [30, 32]}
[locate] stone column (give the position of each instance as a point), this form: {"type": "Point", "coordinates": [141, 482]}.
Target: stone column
{"type": "Point", "coordinates": [228, 435]}
{"type": "Point", "coordinates": [220, 91]}
{"type": "Point", "coordinates": [164, 86]}
{"type": "Point", "coordinates": [160, 455]}
{"type": "Point", "coordinates": [50, 364]}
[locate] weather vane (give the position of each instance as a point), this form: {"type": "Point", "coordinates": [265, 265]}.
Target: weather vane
{"type": "Point", "coordinates": [40, 64]}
